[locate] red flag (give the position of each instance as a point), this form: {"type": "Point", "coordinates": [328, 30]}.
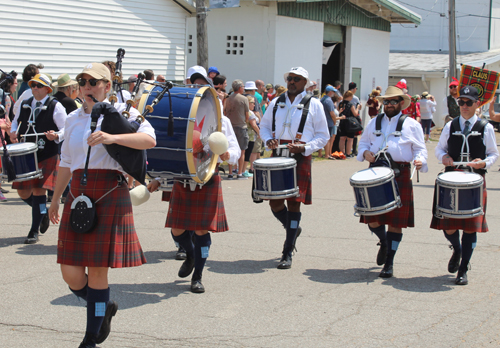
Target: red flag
{"type": "Point", "coordinates": [485, 81]}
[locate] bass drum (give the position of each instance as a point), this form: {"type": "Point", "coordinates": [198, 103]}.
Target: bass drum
{"type": "Point", "coordinates": [186, 154]}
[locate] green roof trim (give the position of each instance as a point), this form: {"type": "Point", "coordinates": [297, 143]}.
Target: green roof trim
{"type": "Point", "coordinates": [340, 12]}
{"type": "Point", "coordinates": [400, 10]}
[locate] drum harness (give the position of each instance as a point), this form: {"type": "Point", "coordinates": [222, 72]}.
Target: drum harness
{"type": "Point", "coordinates": [304, 106]}
{"type": "Point", "coordinates": [386, 160]}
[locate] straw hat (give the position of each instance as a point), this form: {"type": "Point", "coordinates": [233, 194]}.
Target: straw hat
{"type": "Point", "coordinates": [63, 81]}
{"type": "Point", "coordinates": [42, 79]}
{"type": "Point", "coordinates": [392, 92]}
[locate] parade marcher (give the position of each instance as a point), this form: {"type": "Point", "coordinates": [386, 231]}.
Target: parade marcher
{"type": "Point", "coordinates": [39, 114]}
{"type": "Point", "coordinates": [301, 143]}
{"type": "Point", "coordinates": [200, 210]}
{"type": "Point", "coordinates": [483, 153]}
{"type": "Point", "coordinates": [65, 90]}
{"type": "Point", "coordinates": [404, 150]}
{"type": "Point", "coordinates": [85, 258]}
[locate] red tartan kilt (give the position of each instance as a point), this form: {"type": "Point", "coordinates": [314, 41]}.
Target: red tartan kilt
{"type": "Point", "coordinates": [476, 224]}
{"type": "Point", "coordinates": [198, 210]}
{"type": "Point", "coordinates": [401, 217]}
{"type": "Point", "coordinates": [114, 242]}
{"type": "Point", "coordinates": [49, 169]}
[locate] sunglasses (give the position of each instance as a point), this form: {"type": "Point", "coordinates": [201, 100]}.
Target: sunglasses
{"type": "Point", "coordinates": [37, 85]}
{"type": "Point", "coordinates": [392, 102]}
{"type": "Point", "coordinates": [294, 78]}
{"type": "Point", "coordinates": [92, 82]}
{"type": "Point", "coordinates": [468, 102]}
{"type": "Point", "coordinates": [453, 86]}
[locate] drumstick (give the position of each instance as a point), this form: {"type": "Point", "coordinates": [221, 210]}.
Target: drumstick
{"type": "Point", "coordinates": [18, 126]}
{"type": "Point", "coordinates": [284, 146]}
{"type": "Point", "coordinates": [32, 134]}
{"type": "Point", "coordinates": [465, 163]}
{"type": "Point", "coordinates": [413, 172]}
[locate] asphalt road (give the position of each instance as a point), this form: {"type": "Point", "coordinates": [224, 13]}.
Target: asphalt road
{"type": "Point", "coordinates": [332, 296]}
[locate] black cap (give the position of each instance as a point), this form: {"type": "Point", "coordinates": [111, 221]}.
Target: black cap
{"type": "Point", "coordinates": [469, 92]}
{"type": "Point", "coordinates": [196, 76]}
{"type": "Point", "coordinates": [352, 85]}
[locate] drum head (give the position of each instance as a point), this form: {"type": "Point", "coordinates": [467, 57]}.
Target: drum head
{"type": "Point", "coordinates": [275, 162]}
{"type": "Point", "coordinates": [205, 109]}
{"type": "Point", "coordinates": [459, 178]}
{"type": "Point", "coordinates": [372, 174]}
{"type": "Point", "coordinates": [21, 148]}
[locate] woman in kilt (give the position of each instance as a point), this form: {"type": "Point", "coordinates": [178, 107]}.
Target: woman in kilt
{"type": "Point", "coordinates": [407, 148]}
{"type": "Point", "coordinates": [483, 150]}
{"type": "Point", "coordinates": [86, 258]}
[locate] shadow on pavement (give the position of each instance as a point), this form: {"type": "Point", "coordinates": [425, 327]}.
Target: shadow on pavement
{"type": "Point", "coordinates": [422, 284]}
{"type": "Point", "coordinates": [133, 295]}
{"type": "Point", "coordinates": [241, 266]}
{"type": "Point", "coordinates": [37, 249]}
{"type": "Point", "coordinates": [159, 256]}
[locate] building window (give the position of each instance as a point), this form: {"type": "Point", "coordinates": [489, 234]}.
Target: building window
{"type": "Point", "coordinates": [190, 44]}
{"type": "Point", "coordinates": [234, 42]}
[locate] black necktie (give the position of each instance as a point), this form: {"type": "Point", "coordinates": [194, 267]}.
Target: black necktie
{"type": "Point", "coordinates": [38, 109]}
{"type": "Point", "coordinates": [466, 128]}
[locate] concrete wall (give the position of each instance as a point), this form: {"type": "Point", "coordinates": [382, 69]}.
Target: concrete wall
{"type": "Point", "coordinates": [432, 34]}
{"type": "Point", "coordinates": [272, 44]}
{"type": "Point", "coordinates": [369, 50]}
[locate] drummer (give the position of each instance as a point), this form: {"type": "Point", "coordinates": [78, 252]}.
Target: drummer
{"type": "Point", "coordinates": [404, 150]}
{"type": "Point", "coordinates": [48, 116]}
{"type": "Point", "coordinates": [314, 137]}
{"type": "Point", "coordinates": [201, 210]}
{"type": "Point", "coordinates": [483, 152]}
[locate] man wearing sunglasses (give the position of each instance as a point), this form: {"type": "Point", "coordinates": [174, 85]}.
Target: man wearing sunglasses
{"type": "Point", "coordinates": [287, 116]}
{"type": "Point", "coordinates": [405, 149]}
{"type": "Point", "coordinates": [40, 114]}
{"type": "Point", "coordinates": [483, 153]}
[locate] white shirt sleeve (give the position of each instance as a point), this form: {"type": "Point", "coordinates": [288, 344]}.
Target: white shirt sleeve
{"type": "Point", "coordinates": [234, 147]}
{"type": "Point", "coordinates": [59, 118]}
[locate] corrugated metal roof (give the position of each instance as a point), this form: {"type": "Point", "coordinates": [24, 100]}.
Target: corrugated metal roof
{"type": "Point", "coordinates": [340, 12]}
{"type": "Point", "coordinates": [66, 35]}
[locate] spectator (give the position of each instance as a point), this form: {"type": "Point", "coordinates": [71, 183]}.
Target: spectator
{"type": "Point", "coordinates": [331, 117]}
{"type": "Point", "coordinates": [355, 101]}
{"type": "Point", "coordinates": [270, 91]}
{"type": "Point", "coordinates": [337, 85]}
{"type": "Point", "coordinates": [452, 101]}
{"type": "Point", "coordinates": [261, 96]}
{"type": "Point", "coordinates": [279, 91]}
{"type": "Point", "coordinates": [251, 89]}
{"type": "Point", "coordinates": [427, 108]}
{"type": "Point", "coordinates": [312, 87]}
{"type": "Point", "coordinates": [150, 75]}
{"type": "Point", "coordinates": [213, 72]}
{"type": "Point", "coordinates": [373, 104]}
{"type": "Point", "coordinates": [237, 110]}
{"type": "Point", "coordinates": [131, 82]}
{"type": "Point", "coordinates": [349, 110]}
{"type": "Point", "coordinates": [253, 134]}
{"type": "Point", "coordinates": [160, 79]}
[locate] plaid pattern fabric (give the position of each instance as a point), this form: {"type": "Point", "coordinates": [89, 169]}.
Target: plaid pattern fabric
{"type": "Point", "coordinates": [113, 243]}
{"type": "Point", "coordinates": [486, 82]}
{"type": "Point", "coordinates": [401, 217]}
{"type": "Point", "coordinates": [49, 169]}
{"type": "Point", "coordinates": [198, 210]}
{"type": "Point", "coordinates": [165, 196]}
{"type": "Point", "coordinates": [304, 179]}
{"type": "Point", "coordinates": [476, 224]}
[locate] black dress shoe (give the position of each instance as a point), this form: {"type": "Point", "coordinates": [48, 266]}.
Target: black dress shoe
{"type": "Point", "coordinates": [180, 254]}
{"type": "Point", "coordinates": [197, 287]}
{"type": "Point", "coordinates": [382, 253]}
{"type": "Point", "coordinates": [386, 272]}
{"type": "Point", "coordinates": [286, 261]}
{"type": "Point", "coordinates": [31, 239]}
{"type": "Point", "coordinates": [105, 329]}
{"type": "Point", "coordinates": [454, 260]}
{"type": "Point", "coordinates": [187, 267]}
{"type": "Point", "coordinates": [44, 225]}
{"type": "Point", "coordinates": [461, 278]}
{"type": "Point", "coordinates": [89, 341]}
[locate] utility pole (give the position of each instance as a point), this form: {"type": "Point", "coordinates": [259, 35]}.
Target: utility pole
{"type": "Point", "coordinates": [452, 39]}
{"type": "Point", "coordinates": [201, 33]}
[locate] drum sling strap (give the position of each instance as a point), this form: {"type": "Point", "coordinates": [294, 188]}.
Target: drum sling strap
{"type": "Point", "coordinates": [305, 110]}
{"type": "Point", "coordinates": [378, 128]}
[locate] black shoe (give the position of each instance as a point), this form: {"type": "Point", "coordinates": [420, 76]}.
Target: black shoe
{"type": "Point", "coordinates": [461, 278]}
{"type": "Point", "coordinates": [382, 253]}
{"type": "Point", "coordinates": [187, 267]}
{"type": "Point", "coordinates": [286, 261]}
{"type": "Point", "coordinates": [111, 309]}
{"type": "Point", "coordinates": [89, 341]}
{"type": "Point", "coordinates": [49, 199]}
{"type": "Point", "coordinates": [44, 225]}
{"type": "Point", "coordinates": [3, 190]}
{"type": "Point", "coordinates": [180, 254]}
{"type": "Point", "coordinates": [32, 238]}
{"type": "Point", "coordinates": [63, 200]}
{"type": "Point", "coordinates": [197, 287]}
{"type": "Point", "coordinates": [454, 261]}
{"type": "Point", "coordinates": [386, 272]}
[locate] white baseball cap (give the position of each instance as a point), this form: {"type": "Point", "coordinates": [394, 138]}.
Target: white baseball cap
{"type": "Point", "coordinates": [299, 71]}
{"type": "Point", "coordinates": [196, 69]}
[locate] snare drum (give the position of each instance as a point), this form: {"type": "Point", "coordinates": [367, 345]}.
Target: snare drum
{"type": "Point", "coordinates": [186, 154]}
{"type": "Point", "coordinates": [459, 195]}
{"type": "Point", "coordinates": [275, 178]}
{"type": "Point", "coordinates": [375, 190]}
{"type": "Point", "coordinates": [24, 158]}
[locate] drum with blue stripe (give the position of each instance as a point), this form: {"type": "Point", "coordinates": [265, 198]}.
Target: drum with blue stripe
{"type": "Point", "coordinates": [275, 178]}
